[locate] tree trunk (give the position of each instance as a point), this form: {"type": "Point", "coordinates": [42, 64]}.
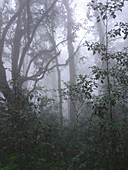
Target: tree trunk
{"type": "Point", "coordinates": [59, 88]}
{"type": "Point", "coordinates": [52, 38]}
{"type": "Point", "coordinates": [72, 71]}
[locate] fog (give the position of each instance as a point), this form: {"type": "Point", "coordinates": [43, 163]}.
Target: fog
{"type": "Point", "coordinates": [51, 39]}
{"type": "Point", "coordinates": [64, 64]}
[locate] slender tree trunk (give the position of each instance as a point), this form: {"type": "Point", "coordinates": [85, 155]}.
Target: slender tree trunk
{"type": "Point", "coordinates": [72, 71]}
{"type": "Point", "coordinates": [103, 35]}
{"type": "Point", "coordinates": [101, 31]}
{"type": "Point", "coordinates": [59, 88]}
{"type": "Point", "coordinates": [59, 77]}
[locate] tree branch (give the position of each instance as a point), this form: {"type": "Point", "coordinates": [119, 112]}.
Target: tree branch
{"type": "Point", "coordinates": [35, 57]}
{"type": "Point", "coordinates": [33, 33]}
{"type": "Point", "coordinates": [43, 73]}
{"type": "Point", "coordinates": [2, 40]}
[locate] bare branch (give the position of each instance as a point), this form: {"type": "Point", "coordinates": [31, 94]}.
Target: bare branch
{"type": "Point", "coordinates": [68, 60]}
{"type": "Point", "coordinates": [43, 73]}
{"type": "Point", "coordinates": [35, 57]}
{"type": "Point", "coordinates": [63, 41]}
{"type": "Point", "coordinates": [33, 33]}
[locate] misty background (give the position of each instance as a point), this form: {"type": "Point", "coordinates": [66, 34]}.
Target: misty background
{"type": "Point", "coordinates": [63, 78]}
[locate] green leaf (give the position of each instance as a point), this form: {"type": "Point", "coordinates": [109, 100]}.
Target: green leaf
{"type": "Point", "coordinates": [104, 17]}
{"type": "Point", "coordinates": [97, 76]}
{"type": "Point", "coordinates": [102, 81]}
{"type": "Point", "coordinates": [94, 52]}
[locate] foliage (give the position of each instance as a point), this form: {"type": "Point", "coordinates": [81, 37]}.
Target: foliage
{"type": "Point", "coordinates": [31, 136]}
{"type": "Point", "coordinates": [31, 140]}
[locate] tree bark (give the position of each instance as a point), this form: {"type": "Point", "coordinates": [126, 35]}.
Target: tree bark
{"type": "Point", "coordinates": [17, 58]}
{"type": "Point", "coordinates": [72, 71]}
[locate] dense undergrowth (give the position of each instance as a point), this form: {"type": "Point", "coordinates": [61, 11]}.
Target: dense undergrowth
{"type": "Point", "coordinates": [32, 142]}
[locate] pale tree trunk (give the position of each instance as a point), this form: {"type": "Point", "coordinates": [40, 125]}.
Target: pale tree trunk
{"type": "Point", "coordinates": [59, 88]}
{"type": "Point", "coordinates": [72, 71]}
{"type": "Point", "coordinates": [52, 38]}
{"type": "Point", "coordinates": [102, 40]}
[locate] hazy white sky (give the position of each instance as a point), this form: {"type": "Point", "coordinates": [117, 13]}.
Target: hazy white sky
{"type": "Point", "coordinates": [1, 3]}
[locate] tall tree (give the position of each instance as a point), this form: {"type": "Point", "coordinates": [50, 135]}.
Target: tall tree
{"type": "Point", "coordinates": [106, 11]}
{"type": "Point", "coordinates": [72, 71]}
{"type": "Point", "coordinates": [19, 36]}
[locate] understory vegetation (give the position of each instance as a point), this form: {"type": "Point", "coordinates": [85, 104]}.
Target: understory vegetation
{"type": "Point", "coordinates": [33, 136]}
{"type": "Point", "coordinates": [35, 140]}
